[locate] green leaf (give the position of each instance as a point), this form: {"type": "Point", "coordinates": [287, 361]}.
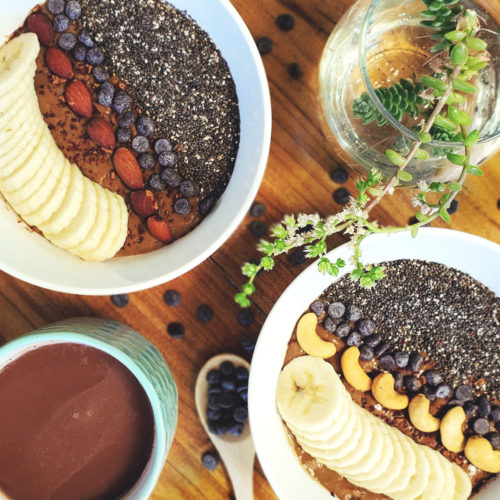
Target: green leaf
{"type": "Point", "coordinates": [405, 176]}
{"type": "Point", "coordinates": [421, 154]}
{"type": "Point", "coordinates": [267, 263]}
{"type": "Point", "coordinates": [278, 231]}
{"type": "Point", "coordinates": [462, 86]}
{"type": "Point", "coordinates": [443, 122]}
{"type": "Point", "coordinates": [444, 198]}
{"type": "Point", "coordinates": [478, 66]}
{"type": "Point", "coordinates": [265, 247]}
{"type": "Point", "coordinates": [375, 191]}
{"type": "Point", "coordinates": [473, 170]}
{"type": "Point", "coordinates": [437, 187]}
{"type": "Point", "coordinates": [424, 137]}
{"type": "Point", "coordinates": [455, 98]}
{"type": "Point", "coordinates": [420, 216]}
{"type": "Point", "coordinates": [249, 269]}
{"type": "Point", "coordinates": [434, 83]}
{"type": "Point", "coordinates": [248, 288]}
{"type": "Point", "coordinates": [443, 45]}
{"type": "Point", "coordinates": [456, 159]}
{"type": "Point", "coordinates": [356, 274]}
{"type": "Point", "coordinates": [444, 214]}
{"type": "Point", "coordinates": [414, 231]}
{"type": "Point", "coordinates": [458, 116]}
{"type": "Point", "coordinates": [455, 35]}
{"type": "Point", "coordinates": [455, 186]}
{"type": "Point", "coordinates": [395, 158]}
{"type": "Point", "coordinates": [475, 44]}
{"type": "Point", "coordinates": [459, 54]}
{"type": "Point", "coordinates": [242, 300]}
{"type": "Point", "coordinates": [472, 138]}
{"type": "Point", "coordinates": [340, 263]}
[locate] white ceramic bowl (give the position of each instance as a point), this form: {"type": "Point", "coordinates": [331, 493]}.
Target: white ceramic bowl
{"type": "Point", "coordinates": [30, 257]}
{"type": "Point", "coordinates": [476, 256]}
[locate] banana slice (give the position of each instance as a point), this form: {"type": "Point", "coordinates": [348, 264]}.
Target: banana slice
{"type": "Point", "coordinates": [418, 482]}
{"type": "Point", "coordinates": [409, 462]}
{"type": "Point", "coordinates": [20, 91]}
{"type": "Point", "coordinates": [22, 108]}
{"type": "Point", "coordinates": [463, 486]}
{"type": "Point", "coordinates": [436, 476]}
{"type": "Point", "coordinates": [448, 490]}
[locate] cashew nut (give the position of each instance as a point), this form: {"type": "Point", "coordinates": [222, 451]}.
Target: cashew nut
{"type": "Point", "coordinates": [452, 436]}
{"type": "Point", "coordinates": [383, 391]}
{"type": "Point", "coordinates": [420, 416]}
{"type": "Point", "coordinates": [309, 340]}
{"type": "Point", "coordinates": [352, 370]}
{"type": "Point", "coordinates": [481, 454]}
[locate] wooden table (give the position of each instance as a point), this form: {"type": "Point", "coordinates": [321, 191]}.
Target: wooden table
{"type": "Point", "coordinates": [297, 179]}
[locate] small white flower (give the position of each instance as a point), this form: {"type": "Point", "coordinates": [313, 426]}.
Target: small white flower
{"type": "Point", "coordinates": [422, 185]}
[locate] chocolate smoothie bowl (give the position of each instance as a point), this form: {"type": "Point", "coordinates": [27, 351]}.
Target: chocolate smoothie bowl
{"type": "Point", "coordinates": [126, 143]}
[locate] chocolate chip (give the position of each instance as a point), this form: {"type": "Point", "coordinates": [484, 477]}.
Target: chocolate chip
{"type": "Point", "coordinates": [245, 317]}
{"type": "Point", "coordinates": [258, 228]}
{"type": "Point", "coordinates": [297, 257]}
{"type": "Point", "coordinates": [285, 22]}
{"type": "Point", "coordinates": [264, 45]}
{"type": "Point", "coordinates": [342, 196]}
{"type": "Point", "coordinates": [176, 330]}
{"type": "Point", "coordinates": [295, 71]}
{"type": "Point", "coordinates": [339, 175]}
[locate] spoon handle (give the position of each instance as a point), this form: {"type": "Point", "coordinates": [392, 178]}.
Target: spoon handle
{"type": "Point", "coordinates": [240, 470]}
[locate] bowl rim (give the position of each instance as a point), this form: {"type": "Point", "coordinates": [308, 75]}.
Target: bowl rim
{"type": "Point", "coordinates": [285, 474]}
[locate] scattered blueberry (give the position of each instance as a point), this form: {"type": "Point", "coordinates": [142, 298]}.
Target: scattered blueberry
{"type": "Point", "coordinates": [241, 373]}
{"type": "Point", "coordinates": [480, 426]}
{"type": "Point", "coordinates": [343, 329]}
{"type": "Point", "coordinates": [245, 317]}
{"type": "Point", "coordinates": [182, 206]}
{"type": "Point", "coordinates": [162, 146]}
{"type": "Point", "coordinates": [401, 359]}
{"type": "Point", "coordinates": [381, 348]}
{"type": "Point", "coordinates": [412, 220]}
{"type": "Point", "coordinates": [140, 144]}
{"type": "Point", "coordinates": [206, 205]}
{"type": "Point", "coordinates": [80, 52]}
{"type": "Point", "coordinates": [95, 56]}
{"type": "Point", "coordinates": [171, 177]}
{"type": "Point", "coordinates": [336, 310]}
{"type": "Point", "coordinates": [247, 343]}
{"type": "Point", "coordinates": [67, 41]}
{"type": "Point", "coordinates": [453, 207]}
{"type": "Point", "coordinates": [495, 413]}
{"type": "Point", "coordinates": [483, 406]}
{"type": "Point", "coordinates": [146, 161]}
{"type": "Point", "coordinates": [240, 414]}
{"type": "Point", "coordinates": [297, 257]}
{"type": "Point", "coordinates": [105, 94]}
{"type": "Point", "coordinates": [226, 368]}
{"type": "Point", "coordinates": [214, 376]}
{"type": "Point", "coordinates": [429, 392]}
{"type": "Point", "coordinates": [265, 45]}
{"type": "Point", "coordinates": [236, 429]}
{"type": "Point", "coordinates": [463, 392]}
{"type": "Point", "coordinates": [155, 182]}
{"type": "Point", "coordinates": [167, 159]}
{"type": "Point", "coordinates": [387, 362]}
{"type": "Point", "coordinates": [339, 175]}
{"type": "Point", "coordinates": [204, 312]}
{"type": "Point", "coordinates": [176, 330]}
{"type": "Point", "coordinates": [398, 381]}
{"type": "Point", "coordinates": [258, 228]}
{"type": "Point", "coordinates": [145, 125]}
{"type": "Point", "coordinates": [443, 391]}
{"type": "Point", "coordinates": [121, 102]}
{"type": "Point", "coordinates": [227, 400]}
{"type": "Point", "coordinates": [415, 362]}
{"type": "Point", "coordinates": [120, 300]}
{"type": "Point", "coordinates": [317, 307]}
{"type": "Point", "coordinates": [285, 22]}
{"type": "Point", "coordinates": [189, 189]}
{"type": "Point", "coordinates": [354, 338]}
{"type": "Point", "coordinates": [352, 312]}
{"type": "Point", "coordinates": [127, 119]}
{"type": "Point", "coordinates": [228, 385]}
{"type": "Point", "coordinates": [433, 377]}
{"type": "Point", "coordinates": [366, 352]}
{"type": "Point", "coordinates": [101, 75]}
{"type": "Point", "coordinates": [498, 203]}
{"type": "Point", "coordinates": [60, 23]}
{"type": "Point", "coordinates": [494, 439]}
{"type": "Point", "coordinates": [214, 415]}
{"type": "Point", "coordinates": [330, 324]}
{"type": "Point", "coordinates": [470, 409]}
{"type": "Point", "coordinates": [73, 9]}
{"type": "Point", "coordinates": [84, 37]}
{"type": "Point", "coordinates": [295, 71]}
{"type": "Point", "coordinates": [342, 196]}
{"type": "Point", "coordinates": [366, 327]}
{"type": "Point", "coordinates": [123, 135]}
{"type": "Point", "coordinates": [373, 340]}
{"type": "Point", "coordinates": [411, 383]}
{"type": "Point", "coordinates": [172, 298]}
{"type": "Point", "coordinates": [55, 6]}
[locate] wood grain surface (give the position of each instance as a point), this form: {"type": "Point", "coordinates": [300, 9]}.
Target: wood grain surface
{"type": "Point", "coordinates": [297, 179]}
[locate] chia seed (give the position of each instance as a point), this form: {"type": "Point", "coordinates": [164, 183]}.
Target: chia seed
{"type": "Point", "coordinates": [440, 311]}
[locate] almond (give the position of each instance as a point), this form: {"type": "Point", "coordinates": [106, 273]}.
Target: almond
{"type": "Point", "coordinates": [127, 168]}
{"type": "Point", "coordinates": [160, 229]}
{"type": "Point", "coordinates": [58, 62]}
{"type": "Point", "coordinates": [40, 24]}
{"type": "Point", "coordinates": [78, 98]}
{"type": "Point", "coordinates": [144, 202]}
{"type": "Point", "coordinates": [101, 132]}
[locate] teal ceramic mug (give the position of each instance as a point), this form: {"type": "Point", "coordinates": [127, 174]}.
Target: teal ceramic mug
{"type": "Point", "coordinates": [140, 356]}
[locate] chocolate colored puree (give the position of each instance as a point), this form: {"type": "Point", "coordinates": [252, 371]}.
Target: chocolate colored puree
{"type": "Point", "coordinates": [74, 423]}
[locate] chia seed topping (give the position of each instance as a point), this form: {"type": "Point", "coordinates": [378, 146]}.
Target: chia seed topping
{"type": "Point", "coordinates": [178, 77]}
{"type": "Point", "coordinates": [439, 311]}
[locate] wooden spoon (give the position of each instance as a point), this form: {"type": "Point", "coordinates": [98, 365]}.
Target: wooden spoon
{"type": "Point", "coordinates": [237, 452]}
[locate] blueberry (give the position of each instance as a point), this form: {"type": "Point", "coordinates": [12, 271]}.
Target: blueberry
{"type": "Point", "coordinates": [120, 300]}
{"type": "Point", "coordinates": [217, 427]}
{"type": "Point", "coordinates": [463, 392]}
{"type": "Point", "coordinates": [480, 426]}
{"type": "Point", "coordinates": [453, 207]}
{"type": "Point", "coordinates": [366, 353]}
{"type": "Point", "coordinates": [228, 385]}
{"type": "Point", "coordinates": [247, 343]}
{"type": "Point", "coordinates": [245, 317]}
{"type": "Point", "coordinates": [214, 402]}
{"type": "Point", "coordinates": [121, 102]}
{"type": "Point", "coordinates": [227, 400]}
{"type": "Point", "coordinates": [470, 408]}
{"type": "Point", "coordinates": [80, 52]}
{"type": "Point", "coordinates": [127, 119]}
{"type": "Point", "coordinates": [156, 183]}
{"type": "Point", "coordinates": [411, 383]}
{"type": "Point", "coordinates": [483, 406]}
{"type": "Point", "coordinates": [145, 125]}
{"type": "Point", "coordinates": [240, 414]}
{"type": "Point", "coordinates": [172, 298]}
{"type": "Point", "coordinates": [55, 6]}
{"type": "Point", "coordinates": [226, 368]}
{"type": "Point", "coordinates": [60, 23]}
{"type": "Point", "coordinates": [366, 327]}
{"type": "Point", "coordinates": [84, 37]}
{"type": "Point", "coordinates": [189, 189]}
{"type": "Point", "coordinates": [123, 135]}
{"type": "Point", "coordinates": [73, 9]}
{"type": "Point", "coordinates": [210, 460]}
{"type": "Point", "coordinates": [105, 94]}
{"type": "Point", "coordinates": [387, 362]}
{"type": "Point", "coordinates": [167, 159]}
{"type": "Point", "coordinates": [433, 377]}
{"type": "Point", "coordinates": [354, 339]}
{"type": "Point", "coordinates": [214, 376]}
{"type": "Point", "coordinates": [244, 396]}
{"type": "Point", "coordinates": [339, 175]}
{"type": "Point", "coordinates": [285, 22]}
{"type": "Point", "coordinates": [171, 177]}
{"type": "Point", "coordinates": [401, 359]}
{"type": "Point", "coordinates": [146, 161]}
{"type": "Point", "coordinates": [415, 361]}
{"type": "Point", "coordinates": [214, 389]}
{"type": "Point", "coordinates": [213, 415]}
{"type": "Point", "coordinates": [342, 196]}
{"type": "Point", "coordinates": [264, 45]}
{"type": "Point", "coordinates": [67, 41]}
{"type": "Point", "coordinates": [206, 205]}
{"type": "Point", "coordinates": [352, 312]}
{"type": "Point", "coordinates": [162, 146]}
{"type": "Point", "coordinates": [297, 257]}
{"type": "Point", "coordinates": [398, 381]}
{"type": "Point", "coordinates": [494, 439]}
{"type": "Point", "coordinates": [443, 391]}
{"type": "Point", "coordinates": [258, 228]}
{"type": "Point", "coordinates": [140, 144]}
{"type": "Point", "coordinates": [343, 329]}
{"type": "Point", "coordinates": [373, 340]}
{"type": "Point", "coordinates": [381, 348]}
{"type": "Point", "coordinates": [176, 330]}
{"type": "Point", "coordinates": [241, 373]}
{"type": "Point", "coordinates": [242, 386]}
{"type": "Point", "coordinates": [495, 413]}
{"type": "Point", "coordinates": [204, 312]}
{"type": "Point", "coordinates": [95, 56]}
{"type": "Point", "coordinates": [182, 206]}
{"type": "Point", "coordinates": [455, 402]}
{"type": "Point", "coordinates": [295, 71]}
{"type": "Point", "coordinates": [330, 324]}
{"type": "Point", "coordinates": [336, 310]}
{"type": "Point", "coordinates": [429, 391]}
{"type": "Point", "coordinates": [101, 75]}
{"type": "Point", "coordinates": [317, 307]}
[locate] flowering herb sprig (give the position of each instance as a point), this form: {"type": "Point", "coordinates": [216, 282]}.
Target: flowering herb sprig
{"type": "Point", "coordinates": [446, 93]}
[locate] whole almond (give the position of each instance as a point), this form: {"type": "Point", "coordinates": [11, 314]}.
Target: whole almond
{"type": "Point", "coordinates": [160, 229]}
{"type": "Point", "coordinates": [143, 202]}
{"type": "Point", "coordinates": [58, 62]}
{"type": "Point", "coordinates": [127, 168]}
{"type": "Point", "coordinates": [78, 98]}
{"type": "Point", "coordinates": [101, 132]}
{"type": "Point", "coordinates": [40, 24]}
